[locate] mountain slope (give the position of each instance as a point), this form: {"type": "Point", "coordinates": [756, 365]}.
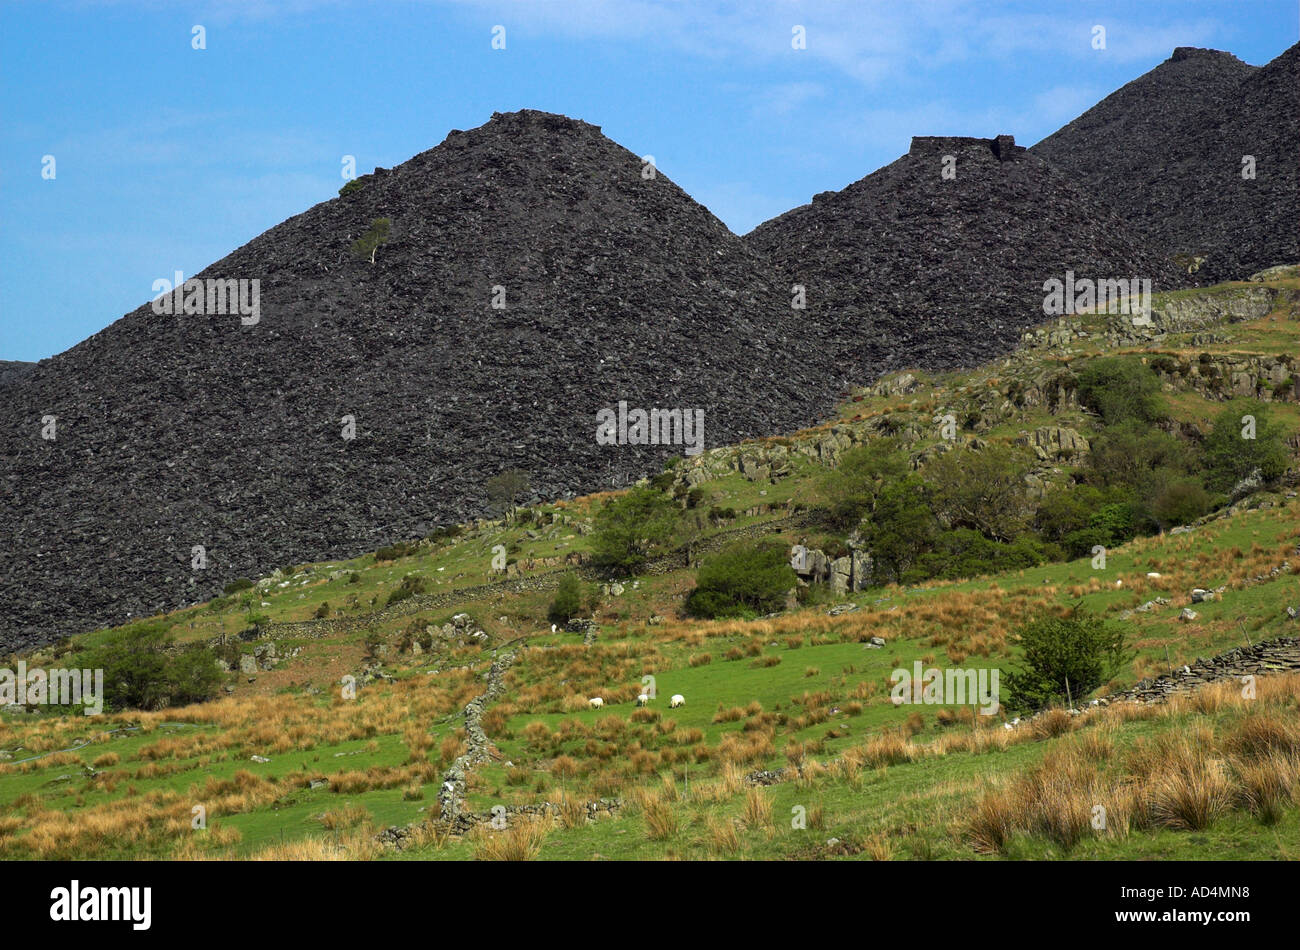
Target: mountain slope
{"type": "Point", "coordinates": [1166, 151]}
{"type": "Point", "coordinates": [177, 431]}
{"type": "Point", "coordinates": [902, 264]}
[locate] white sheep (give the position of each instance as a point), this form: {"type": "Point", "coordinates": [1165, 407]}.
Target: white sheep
{"type": "Point", "coordinates": [1153, 576]}
{"type": "Point", "coordinates": [642, 699]}
{"type": "Point", "coordinates": [677, 700]}
{"type": "Point", "coordinates": [595, 702]}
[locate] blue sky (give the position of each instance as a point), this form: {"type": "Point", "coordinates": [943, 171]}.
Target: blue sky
{"type": "Point", "coordinates": [167, 158]}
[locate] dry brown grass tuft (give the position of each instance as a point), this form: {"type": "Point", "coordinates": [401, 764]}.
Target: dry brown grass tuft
{"type": "Point", "coordinates": [521, 841]}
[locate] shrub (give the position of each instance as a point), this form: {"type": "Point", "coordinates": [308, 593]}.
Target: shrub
{"type": "Point", "coordinates": [410, 586]}
{"type": "Point", "coordinates": [901, 527]}
{"type": "Point", "coordinates": [394, 551]}
{"type": "Point", "coordinates": [1230, 457]}
{"type": "Point", "coordinates": [235, 586]}
{"type": "Point", "coordinates": [853, 487]}
{"type": "Point", "coordinates": [350, 187]}
{"type": "Point", "coordinates": [1119, 390]}
{"type": "Point", "coordinates": [984, 489]}
{"type": "Point", "coordinates": [967, 553]}
{"type": "Point", "coordinates": [377, 236]}
{"type": "Point", "coordinates": [742, 579]}
{"type": "Point", "coordinates": [505, 489]}
{"type": "Point", "coordinates": [142, 671]}
{"type": "Point", "coordinates": [1180, 500]}
{"type": "Point", "coordinates": [568, 600]}
{"type": "Point", "coordinates": [629, 529]}
{"type": "Point", "coordinates": [1070, 655]}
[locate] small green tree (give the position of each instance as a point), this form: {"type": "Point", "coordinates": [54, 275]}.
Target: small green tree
{"type": "Point", "coordinates": [142, 670]}
{"type": "Point", "coordinates": [1064, 657]}
{"type": "Point", "coordinates": [631, 528]}
{"type": "Point", "coordinates": [1119, 389]}
{"type": "Point", "coordinates": [568, 600]}
{"type": "Point", "coordinates": [983, 489]}
{"type": "Point", "coordinates": [852, 488]}
{"type": "Point", "coordinates": [1232, 454]}
{"type": "Point", "coordinates": [743, 579]}
{"type": "Point", "coordinates": [901, 528]}
{"type": "Point", "coordinates": [366, 245]}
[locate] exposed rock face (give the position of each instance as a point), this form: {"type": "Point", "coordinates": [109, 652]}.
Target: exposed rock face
{"type": "Point", "coordinates": [1057, 444]}
{"type": "Point", "coordinates": [176, 431]}
{"type": "Point", "coordinates": [902, 265]}
{"type": "Point", "coordinates": [1166, 152]}
{"type": "Point", "coordinates": [852, 572]}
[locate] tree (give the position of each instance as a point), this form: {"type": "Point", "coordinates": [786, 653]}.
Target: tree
{"type": "Point", "coordinates": [1120, 389]}
{"type": "Point", "coordinates": [743, 579]}
{"type": "Point", "coordinates": [568, 600]}
{"type": "Point", "coordinates": [1178, 500]}
{"type": "Point", "coordinates": [630, 528]}
{"type": "Point", "coordinates": [1231, 455]}
{"type": "Point", "coordinates": [900, 528]}
{"type": "Point", "coordinates": [983, 489]}
{"type": "Point", "coordinates": [142, 670]}
{"type": "Point", "coordinates": [368, 243]}
{"type": "Point", "coordinates": [1065, 657]}
{"type": "Point", "coordinates": [1126, 454]}
{"type": "Point", "coordinates": [505, 489]}
{"type": "Point", "coordinates": [852, 488]}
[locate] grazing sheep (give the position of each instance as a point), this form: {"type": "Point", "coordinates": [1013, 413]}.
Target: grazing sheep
{"type": "Point", "coordinates": [642, 699]}
{"type": "Point", "coordinates": [1153, 576]}
{"type": "Point", "coordinates": [677, 700]}
{"type": "Point", "coordinates": [595, 702]}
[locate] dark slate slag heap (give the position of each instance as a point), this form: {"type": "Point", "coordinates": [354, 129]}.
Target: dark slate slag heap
{"type": "Point", "coordinates": [1166, 152]}
{"type": "Point", "coordinates": [13, 370]}
{"type": "Point", "coordinates": [176, 431]}
{"type": "Point", "coordinates": [907, 267]}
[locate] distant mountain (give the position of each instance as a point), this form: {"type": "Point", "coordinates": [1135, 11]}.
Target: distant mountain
{"type": "Point", "coordinates": [1166, 153]}
{"type": "Point", "coordinates": [177, 431]}
{"type": "Point", "coordinates": [907, 266]}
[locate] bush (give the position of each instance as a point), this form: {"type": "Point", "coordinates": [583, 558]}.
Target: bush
{"type": "Point", "coordinates": [967, 553]}
{"type": "Point", "coordinates": [853, 488]}
{"type": "Point", "coordinates": [142, 671]}
{"type": "Point", "coordinates": [568, 600]}
{"type": "Point", "coordinates": [1064, 655]}
{"type": "Point", "coordinates": [374, 238]}
{"type": "Point", "coordinates": [983, 489]}
{"type": "Point", "coordinates": [1119, 390]}
{"type": "Point", "coordinates": [631, 528]}
{"type": "Point", "coordinates": [350, 186]}
{"type": "Point", "coordinates": [1230, 457]}
{"type": "Point", "coordinates": [394, 551]}
{"type": "Point", "coordinates": [505, 489]}
{"type": "Point", "coordinates": [410, 586]}
{"type": "Point", "coordinates": [1180, 500]}
{"type": "Point", "coordinates": [1125, 455]}
{"type": "Point", "coordinates": [743, 579]}
{"type": "Point", "coordinates": [322, 611]}
{"type": "Point", "coordinates": [235, 586]}
{"type": "Point", "coordinates": [901, 527]}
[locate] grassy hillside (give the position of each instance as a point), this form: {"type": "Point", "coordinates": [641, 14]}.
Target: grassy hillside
{"type": "Point", "coordinates": [286, 763]}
